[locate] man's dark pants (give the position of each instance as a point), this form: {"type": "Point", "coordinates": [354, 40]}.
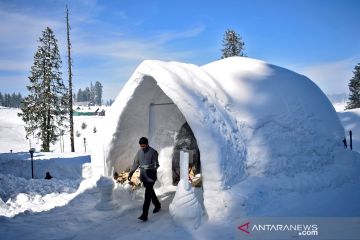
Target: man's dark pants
{"type": "Point", "coordinates": [149, 191]}
{"type": "Point", "coordinates": [149, 196]}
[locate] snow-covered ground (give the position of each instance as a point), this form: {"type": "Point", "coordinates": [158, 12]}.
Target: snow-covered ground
{"type": "Point", "coordinates": [65, 207]}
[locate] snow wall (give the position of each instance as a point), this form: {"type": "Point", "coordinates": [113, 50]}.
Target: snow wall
{"type": "Point", "coordinates": [250, 118]}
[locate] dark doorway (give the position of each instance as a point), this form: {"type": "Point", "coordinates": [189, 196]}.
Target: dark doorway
{"type": "Point", "coordinates": [186, 141]}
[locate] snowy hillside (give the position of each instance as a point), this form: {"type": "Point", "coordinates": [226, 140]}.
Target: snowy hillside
{"type": "Point", "coordinates": [12, 133]}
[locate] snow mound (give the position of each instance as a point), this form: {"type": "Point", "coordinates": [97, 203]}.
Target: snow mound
{"type": "Point", "coordinates": [106, 186]}
{"type": "Point", "coordinates": [351, 121]}
{"type": "Point", "coordinates": [36, 195]}
{"type": "Point", "coordinates": [19, 193]}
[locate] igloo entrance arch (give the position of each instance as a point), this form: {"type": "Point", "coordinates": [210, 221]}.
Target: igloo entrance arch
{"type": "Point", "coordinates": [151, 113]}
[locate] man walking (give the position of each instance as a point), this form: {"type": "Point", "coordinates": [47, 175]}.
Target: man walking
{"type": "Point", "coordinates": [147, 159]}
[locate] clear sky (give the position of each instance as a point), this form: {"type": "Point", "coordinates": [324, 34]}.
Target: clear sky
{"type": "Point", "coordinates": [317, 38]}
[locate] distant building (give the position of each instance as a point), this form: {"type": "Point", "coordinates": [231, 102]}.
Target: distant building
{"type": "Point", "coordinates": [100, 112]}
{"type": "Point", "coordinates": [86, 110]}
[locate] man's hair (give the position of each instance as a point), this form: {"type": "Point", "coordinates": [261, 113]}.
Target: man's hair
{"type": "Point", "coordinates": [143, 140]}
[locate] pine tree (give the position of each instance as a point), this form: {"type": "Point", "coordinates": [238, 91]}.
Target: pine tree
{"type": "Point", "coordinates": [87, 94]}
{"type": "Point", "coordinates": [98, 93]}
{"type": "Point", "coordinates": [13, 100]}
{"type": "Point", "coordinates": [16, 101]}
{"type": "Point", "coordinates": [79, 96]}
{"type": "Point", "coordinates": [44, 109]}
{"type": "Point", "coordinates": [7, 100]}
{"type": "Point", "coordinates": [354, 87]}
{"type": "Point", "coordinates": [92, 93]}
{"type": "Point", "coordinates": [233, 44]}
{"type": "Point", "coordinates": [20, 99]}
{"type": "Point", "coordinates": [109, 102]}
{"type": "Point", "coordinates": [10, 100]}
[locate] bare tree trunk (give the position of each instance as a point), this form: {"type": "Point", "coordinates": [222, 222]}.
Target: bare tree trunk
{"type": "Point", "coordinates": [70, 83]}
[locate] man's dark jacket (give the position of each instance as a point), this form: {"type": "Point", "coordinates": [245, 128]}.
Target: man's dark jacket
{"type": "Point", "coordinates": [147, 160]}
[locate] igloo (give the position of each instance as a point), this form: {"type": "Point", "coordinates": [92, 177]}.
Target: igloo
{"type": "Point", "coordinates": [248, 117]}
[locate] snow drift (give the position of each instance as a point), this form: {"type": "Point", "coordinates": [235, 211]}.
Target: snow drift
{"type": "Point", "coordinates": [250, 119]}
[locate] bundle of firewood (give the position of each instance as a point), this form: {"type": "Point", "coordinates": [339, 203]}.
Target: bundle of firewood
{"type": "Point", "coordinates": [122, 178]}
{"type": "Point", "coordinates": [195, 179]}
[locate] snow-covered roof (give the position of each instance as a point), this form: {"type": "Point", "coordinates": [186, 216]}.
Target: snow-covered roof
{"type": "Point", "coordinates": [250, 118]}
{"type": "Point", "coordinates": [79, 108]}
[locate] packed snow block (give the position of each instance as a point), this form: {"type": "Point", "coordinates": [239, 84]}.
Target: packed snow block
{"type": "Point", "coordinates": [185, 209]}
{"type": "Point", "coordinates": [106, 187]}
{"type": "Point", "coordinates": [249, 118]}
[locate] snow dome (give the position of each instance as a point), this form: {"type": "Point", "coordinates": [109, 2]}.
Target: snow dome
{"type": "Point", "coordinates": [247, 118]}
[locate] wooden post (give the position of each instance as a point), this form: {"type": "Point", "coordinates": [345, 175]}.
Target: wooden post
{"type": "Point", "coordinates": [32, 162]}
{"type": "Point", "coordinates": [85, 144]}
{"type": "Point", "coordinates": [70, 97]}
{"type": "Point", "coordinates": [350, 132]}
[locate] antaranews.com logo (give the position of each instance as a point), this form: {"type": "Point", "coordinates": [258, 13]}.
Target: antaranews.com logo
{"type": "Point", "coordinates": [298, 228]}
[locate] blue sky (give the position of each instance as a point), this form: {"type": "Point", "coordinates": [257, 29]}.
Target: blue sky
{"type": "Point", "coordinates": [317, 38]}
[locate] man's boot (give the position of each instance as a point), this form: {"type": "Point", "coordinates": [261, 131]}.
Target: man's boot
{"type": "Point", "coordinates": [157, 209]}
{"type": "Point", "coordinates": [143, 217]}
